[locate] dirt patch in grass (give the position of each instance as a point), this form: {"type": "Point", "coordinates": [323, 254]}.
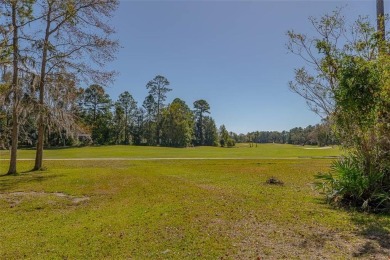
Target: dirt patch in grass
{"type": "Point", "coordinates": [268, 240]}
{"type": "Point", "coordinates": [15, 198]}
{"type": "Point", "coordinates": [274, 181]}
{"type": "Point", "coordinates": [318, 148]}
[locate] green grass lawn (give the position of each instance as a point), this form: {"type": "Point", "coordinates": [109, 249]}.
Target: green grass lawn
{"type": "Point", "coordinates": [241, 151]}
{"type": "Point", "coordinates": [180, 209]}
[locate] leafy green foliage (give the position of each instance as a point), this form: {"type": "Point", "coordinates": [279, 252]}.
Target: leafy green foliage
{"type": "Point", "coordinates": [129, 107]}
{"type": "Point", "coordinates": [158, 89]}
{"type": "Point", "coordinates": [96, 113]}
{"type": "Point", "coordinates": [201, 107]}
{"type": "Point", "coordinates": [348, 86]}
{"type": "Point", "coordinates": [364, 179]}
{"type": "Point", "coordinates": [230, 142]}
{"type": "Point", "coordinates": [123, 122]}
{"type": "Point", "coordinates": [357, 95]}
{"type": "Point", "coordinates": [177, 125]}
{"type": "Point", "coordinates": [150, 107]}
{"type": "Point", "coordinates": [223, 136]}
{"type": "Point", "coordinates": [348, 184]}
{"type": "Point", "coordinates": [210, 131]}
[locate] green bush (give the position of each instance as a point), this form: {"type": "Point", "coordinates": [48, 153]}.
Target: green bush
{"type": "Point", "coordinates": [348, 184]}
{"type": "Point", "coordinates": [230, 142]}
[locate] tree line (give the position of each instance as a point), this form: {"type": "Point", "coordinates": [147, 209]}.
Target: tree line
{"type": "Point", "coordinates": [98, 119]}
{"type": "Point", "coordinates": [154, 122]}
{"type": "Point", "coordinates": [320, 134]}
{"type": "Point", "coordinates": [94, 118]}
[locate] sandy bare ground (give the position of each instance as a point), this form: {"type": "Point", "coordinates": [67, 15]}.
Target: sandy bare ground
{"type": "Point", "coordinates": [15, 198]}
{"type": "Point", "coordinates": [318, 148]}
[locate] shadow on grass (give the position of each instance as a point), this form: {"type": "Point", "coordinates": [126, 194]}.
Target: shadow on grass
{"type": "Point", "coordinates": [9, 182]}
{"type": "Point", "coordinates": [376, 230]}
{"type": "Point", "coordinates": [321, 201]}
{"type": "Point", "coordinates": [28, 148]}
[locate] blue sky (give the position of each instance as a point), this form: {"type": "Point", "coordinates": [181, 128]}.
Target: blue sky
{"type": "Point", "coordinates": [230, 53]}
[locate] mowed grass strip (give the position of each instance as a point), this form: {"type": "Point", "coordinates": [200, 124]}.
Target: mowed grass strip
{"type": "Point", "coordinates": [176, 209]}
{"type": "Point", "coordinates": [127, 151]}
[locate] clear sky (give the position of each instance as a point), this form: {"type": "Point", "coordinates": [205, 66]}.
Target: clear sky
{"type": "Point", "coordinates": [230, 53]}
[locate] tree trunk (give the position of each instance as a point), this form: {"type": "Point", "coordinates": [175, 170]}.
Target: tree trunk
{"type": "Point", "coordinates": [380, 13]}
{"type": "Point", "coordinates": [201, 128]}
{"type": "Point", "coordinates": [39, 152]}
{"type": "Point", "coordinates": [126, 129]}
{"type": "Point", "coordinates": [158, 122]}
{"type": "Point", "coordinates": [41, 127]}
{"type": "Point", "coordinates": [15, 89]}
{"type": "Point", "coordinates": [380, 18]}
{"type": "Point", "coordinates": [14, 144]}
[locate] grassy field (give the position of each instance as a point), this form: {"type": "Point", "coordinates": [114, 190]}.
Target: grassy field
{"type": "Point", "coordinates": [241, 151]}
{"type": "Point", "coordinates": [180, 209]}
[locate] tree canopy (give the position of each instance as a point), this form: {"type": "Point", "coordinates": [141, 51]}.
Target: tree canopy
{"type": "Point", "coordinates": [348, 84]}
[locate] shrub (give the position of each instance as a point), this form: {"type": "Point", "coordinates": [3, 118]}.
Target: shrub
{"type": "Point", "coordinates": [230, 142]}
{"type": "Point", "coordinates": [348, 184]}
